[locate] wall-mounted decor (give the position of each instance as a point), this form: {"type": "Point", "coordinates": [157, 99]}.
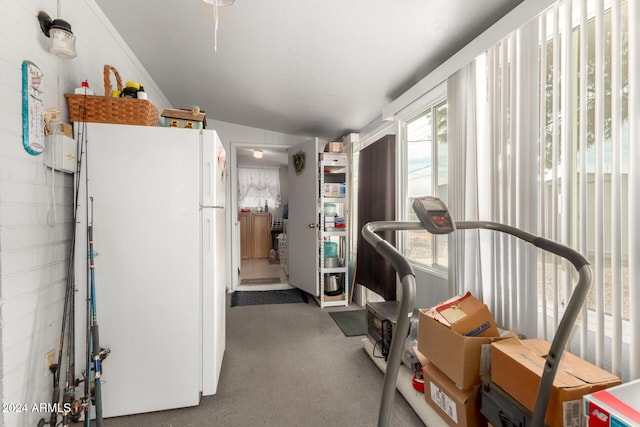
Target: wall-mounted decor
{"type": "Point", "coordinates": [299, 161]}
{"type": "Point", "coordinates": [32, 109]}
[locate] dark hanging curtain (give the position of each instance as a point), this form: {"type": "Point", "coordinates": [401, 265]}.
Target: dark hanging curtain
{"type": "Point", "coordinates": [376, 202]}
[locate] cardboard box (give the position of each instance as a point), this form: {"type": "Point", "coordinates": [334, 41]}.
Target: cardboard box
{"type": "Point", "coordinates": [457, 407]}
{"type": "Point", "coordinates": [516, 367]}
{"type": "Point", "coordinates": [616, 406]}
{"type": "Point", "coordinates": [467, 316]}
{"type": "Point", "coordinates": [334, 147]}
{"type": "Point", "coordinates": [445, 344]}
{"type": "Point", "coordinates": [66, 129]}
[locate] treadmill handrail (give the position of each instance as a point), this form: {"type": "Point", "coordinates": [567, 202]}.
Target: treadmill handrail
{"type": "Point", "coordinates": [573, 256]}
{"type": "Point", "coordinates": [386, 249]}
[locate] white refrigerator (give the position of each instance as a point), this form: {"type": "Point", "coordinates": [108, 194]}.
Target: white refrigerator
{"type": "Point", "coordinates": [159, 237]}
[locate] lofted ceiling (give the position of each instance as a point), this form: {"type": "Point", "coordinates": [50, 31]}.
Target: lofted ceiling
{"type": "Point", "coordinates": [305, 67]}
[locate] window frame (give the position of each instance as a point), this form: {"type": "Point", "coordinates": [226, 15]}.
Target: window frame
{"type": "Point", "coordinates": [430, 103]}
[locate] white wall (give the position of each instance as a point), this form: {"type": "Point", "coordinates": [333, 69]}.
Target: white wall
{"type": "Point", "coordinates": [33, 244]}
{"type": "Point", "coordinates": [230, 132]}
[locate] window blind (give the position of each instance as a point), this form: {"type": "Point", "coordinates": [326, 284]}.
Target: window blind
{"type": "Point", "coordinates": [563, 108]}
{"type": "Point", "coordinates": [634, 177]}
{"type": "Point", "coordinates": [584, 183]}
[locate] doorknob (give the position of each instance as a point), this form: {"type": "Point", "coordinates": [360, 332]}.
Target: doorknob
{"type": "Point", "coordinates": [312, 225]}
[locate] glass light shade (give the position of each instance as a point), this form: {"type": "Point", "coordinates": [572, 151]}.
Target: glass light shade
{"type": "Point", "coordinates": [62, 43]}
{"type": "Point", "coordinates": [257, 154]}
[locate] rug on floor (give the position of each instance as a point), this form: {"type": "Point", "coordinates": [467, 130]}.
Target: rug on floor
{"type": "Point", "coordinates": [287, 296]}
{"type": "Point", "coordinates": [261, 281]}
{"type": "Point", "coordinates": [352, 322]}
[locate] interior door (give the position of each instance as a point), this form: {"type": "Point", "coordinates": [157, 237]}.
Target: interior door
{"type": "Point", "coordinates": [303, 217]}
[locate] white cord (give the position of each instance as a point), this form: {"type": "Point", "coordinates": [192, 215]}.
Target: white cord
{"type": "Point", "coordinates": [51, 154]}
{"type": "Point", "coordinates": [52, 199]}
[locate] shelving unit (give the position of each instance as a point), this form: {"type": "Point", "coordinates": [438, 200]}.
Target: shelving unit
{"type": "Point", "coordinates": [333, 196]}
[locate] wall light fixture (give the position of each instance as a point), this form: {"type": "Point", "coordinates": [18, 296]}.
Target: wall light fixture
{"type": "Point", "coordinates": [62, 42]}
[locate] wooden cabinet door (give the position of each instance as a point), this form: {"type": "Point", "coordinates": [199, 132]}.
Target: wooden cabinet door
{"type": "Point", "coordinates": [245, 235]}
{"type": "Point", "coordinates": [261, 230]}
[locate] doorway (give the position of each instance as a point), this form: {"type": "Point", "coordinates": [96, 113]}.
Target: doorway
{"type": "Point", "coordinates": [254, 266]}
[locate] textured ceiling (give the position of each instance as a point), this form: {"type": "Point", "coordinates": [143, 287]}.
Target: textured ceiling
{"type": "Point", "coordinates": [306, 67]}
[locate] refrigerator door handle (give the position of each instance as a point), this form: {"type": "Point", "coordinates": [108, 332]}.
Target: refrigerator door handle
{"type": "Point", "coordinates": [209, 174]}
{"type": "Point", "coordinates": [208, 234]}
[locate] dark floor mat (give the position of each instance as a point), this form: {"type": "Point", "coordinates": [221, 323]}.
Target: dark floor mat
{"type": "Point", "coordinates": [352, 323]}
{"type": "Point", "coordinates": [287, 296]}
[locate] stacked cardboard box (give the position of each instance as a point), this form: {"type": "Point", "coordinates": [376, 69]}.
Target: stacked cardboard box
{"type": "Point", "coordinates": [451, 337]}
{"type": "Point", "coordinates": [459, 340]}
{"type": "Point", "coordinates": [457, 407]}
{"type": "Point", "coordinates": [517, 366]}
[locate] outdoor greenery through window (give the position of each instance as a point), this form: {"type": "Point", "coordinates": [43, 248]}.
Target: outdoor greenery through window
{"type": "Point", "coordinates": [425, 142]}
{"type": "Point", "coordinates": [601, 150]}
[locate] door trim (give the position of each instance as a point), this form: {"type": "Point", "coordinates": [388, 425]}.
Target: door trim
{"type": "Point", "coordinates": [232, 220]}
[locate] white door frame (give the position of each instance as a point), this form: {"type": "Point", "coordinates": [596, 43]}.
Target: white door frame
{"type": "Point", "coordinates": [233, 226]}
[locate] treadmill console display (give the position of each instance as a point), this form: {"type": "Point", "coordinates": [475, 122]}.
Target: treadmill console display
{"type": "Point", "coordinates": [433, 215]}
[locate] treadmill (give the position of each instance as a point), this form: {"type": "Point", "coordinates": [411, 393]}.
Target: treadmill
{"type": "Point", "coordinates": [434, 217]}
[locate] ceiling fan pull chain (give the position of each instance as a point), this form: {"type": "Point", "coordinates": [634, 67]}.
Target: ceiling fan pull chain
{"type": "Point", "coordinates": [215, 26]}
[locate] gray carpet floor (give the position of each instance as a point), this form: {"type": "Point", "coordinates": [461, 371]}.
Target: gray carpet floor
{"type": "Point", "coordinates": [286, 365]}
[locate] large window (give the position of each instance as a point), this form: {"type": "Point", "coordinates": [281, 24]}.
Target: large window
{"type": "Point", "coordinates": [586, 134]}
{"type": "Point", "coordinates": [556, 159]}
{"type": "Point", "coordinates": [425, 144]}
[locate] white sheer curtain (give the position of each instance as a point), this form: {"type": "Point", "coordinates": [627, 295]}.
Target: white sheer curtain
{"type": "Point", "coordinates": [257, 185]}
{"type": "Point", "coordinates": [464, 249]}
{"type": "Point", "coordinates": [493, 174]}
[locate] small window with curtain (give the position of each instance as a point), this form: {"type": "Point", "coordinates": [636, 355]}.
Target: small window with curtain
{"type": "Point", "coordinates": [258, 186]}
